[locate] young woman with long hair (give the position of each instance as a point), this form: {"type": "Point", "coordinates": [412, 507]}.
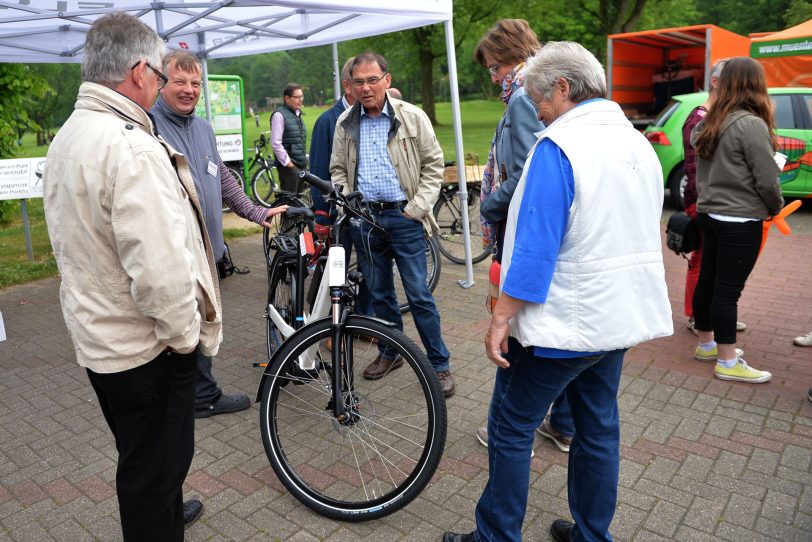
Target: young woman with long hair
{"type": "Point", "coordinates": [737, 188]}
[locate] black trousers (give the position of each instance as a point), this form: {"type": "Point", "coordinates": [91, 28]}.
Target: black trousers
{"type": "Point", "coordinates": [150, 410]}
{"type": "Point", "coordinates": [729, 252]}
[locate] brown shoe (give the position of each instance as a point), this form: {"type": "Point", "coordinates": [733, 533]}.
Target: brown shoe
{"type": "Point", "coordinates": [380, 367]}
{"type": "Point", "coordinates": [546, 429]}
{"type": "Point", "coordinates": [446, 383]}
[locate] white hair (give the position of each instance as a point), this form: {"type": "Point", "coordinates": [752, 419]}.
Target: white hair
{"type": "Point", "coordinates": [114, 44]}
{"type": "Point", "coordinates": [570, 61]}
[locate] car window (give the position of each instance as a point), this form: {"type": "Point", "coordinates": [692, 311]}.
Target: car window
{"type": "Point", "coordinates": [784, 119]}
{"type": "Point", "coordinates": [808, 102]}
{"type": "Point", "coordinates": [666, 113]}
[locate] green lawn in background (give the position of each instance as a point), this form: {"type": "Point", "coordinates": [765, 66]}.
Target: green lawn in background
{"type": "Point", "coordinates": [479, 120]}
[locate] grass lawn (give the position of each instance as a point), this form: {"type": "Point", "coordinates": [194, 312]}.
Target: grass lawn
{"type": "Point", "coordinates": [479, 120]}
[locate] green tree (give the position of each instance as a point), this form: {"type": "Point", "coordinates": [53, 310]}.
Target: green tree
{"type": "Point", "coordinates": [17, 85]}
{"type": "Point", "coordinates": [54, 108]}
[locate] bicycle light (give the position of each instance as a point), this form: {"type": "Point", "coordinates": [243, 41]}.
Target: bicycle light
{"type": "Point", "coordinates": [335, 267]}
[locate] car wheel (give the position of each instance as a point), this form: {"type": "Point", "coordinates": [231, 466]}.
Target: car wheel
{"type": "Point", "coordinates": [676, 185]}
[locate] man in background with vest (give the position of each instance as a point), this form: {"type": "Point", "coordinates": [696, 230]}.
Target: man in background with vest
{"type": "Point", "coordinates": [582, 282]}
{"type": "Point", "coordinates": [289, 139]}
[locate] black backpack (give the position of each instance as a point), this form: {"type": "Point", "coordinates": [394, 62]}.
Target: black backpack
{"type": "Point", "coordinates": [682, 234]}
{"type": "Point", "coordinates": [225, 267]}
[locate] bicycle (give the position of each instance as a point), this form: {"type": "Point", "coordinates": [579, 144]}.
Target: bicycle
{"type": "Point", "coordinates": [287, 224]}
{"type": "Point", "coordinates": [263, 181]}
{"type": "Point", "coordinates": [448, 214]}
{"type": "Point", "coordinates": [235, 170]}
{"type": "Point", "coordinates": [348, 448]}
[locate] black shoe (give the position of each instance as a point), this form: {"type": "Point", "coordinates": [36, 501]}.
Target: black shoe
{"type": "Point", "coordinates": [454, 537]}
{"type": "Point", "coordinates": [192, 510]}
{"type": "Point", "coordinates": [560, 529]}
{"type": "Point", "coordinates": [224, 405]}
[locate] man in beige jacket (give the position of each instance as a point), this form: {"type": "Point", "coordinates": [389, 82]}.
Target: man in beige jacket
{"type": "Point", "coordinates": [138, 291]}
{"type": "Point", "coordinates": [387, 150]}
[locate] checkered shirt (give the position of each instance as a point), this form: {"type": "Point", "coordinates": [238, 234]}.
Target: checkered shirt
{"type": "Point", "coordinates": [377, 178]}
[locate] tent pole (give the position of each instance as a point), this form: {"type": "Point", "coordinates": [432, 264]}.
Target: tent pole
{"type": "Point", "coordinates": [336, 73]}
{"type": "Point", "coordinates": [201, 37]}
{"type": "Point", "coordinates": [463, 191]}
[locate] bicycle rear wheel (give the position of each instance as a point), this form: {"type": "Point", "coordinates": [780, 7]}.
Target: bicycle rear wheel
{"type": "Point", "coordinates": [281, 288]}
{"type": "Point", "coordinates": [433, 267]}
{"type": "Point", "coordinates": [284, 223]}
{"type": "Point", "coordinates": [263, 185]}
{"type": "Point", "coordinates": [448, 214]}
{"type": "Point", "coordinates": [384, 454]}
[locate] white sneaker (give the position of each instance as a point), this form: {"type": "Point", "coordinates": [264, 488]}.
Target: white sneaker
{"type": "Point", "coordinates": [806, 340]}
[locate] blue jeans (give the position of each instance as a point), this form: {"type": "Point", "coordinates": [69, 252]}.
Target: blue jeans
{"type": "Point", "coordinates": [403, 241]}
{"type": "Point", "coordinates": [561, 416]}
{"type": "Point", "coordinates": [521, 395]}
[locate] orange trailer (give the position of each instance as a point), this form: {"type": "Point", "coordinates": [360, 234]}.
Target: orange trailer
{"type": "Point", "coordinates": [644, 69]}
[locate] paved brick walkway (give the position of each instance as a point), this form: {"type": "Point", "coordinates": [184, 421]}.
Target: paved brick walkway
{"type": "Point", "coordinates": [702, 459]}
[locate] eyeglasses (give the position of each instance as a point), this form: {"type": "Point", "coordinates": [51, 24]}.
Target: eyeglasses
{"type": "Point", "coordinates": [493, 69]}
{"type": "Point", "coordinates": [162, 79]}
{"type": "Point", "coordinates": [371, 81]}
{"type": "Point", "coordinates": [300, 97]}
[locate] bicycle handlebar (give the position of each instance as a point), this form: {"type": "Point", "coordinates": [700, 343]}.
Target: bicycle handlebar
{"type": "Point", "coordinates": [325, 187]}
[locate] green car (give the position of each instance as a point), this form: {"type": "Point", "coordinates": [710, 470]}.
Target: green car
{"type": "Point", "coordinates": [793, 119]}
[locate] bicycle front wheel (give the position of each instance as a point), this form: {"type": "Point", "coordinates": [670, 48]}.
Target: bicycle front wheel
{"type": "Point", "coordinates": [448, 214]}
{"type": "Point", "coordinates": [263, 185]}
{"type": "Point", "coordinates": [387, 448]}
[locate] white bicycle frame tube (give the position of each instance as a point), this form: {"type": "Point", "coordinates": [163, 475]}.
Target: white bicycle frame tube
{"type": "Point", "coordinates": [335, 275]}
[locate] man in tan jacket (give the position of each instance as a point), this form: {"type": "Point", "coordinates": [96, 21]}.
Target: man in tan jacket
{"type": "Point", "coordinates": [386, 149]}
{"type": "Point", "coordinates": [138, 291]}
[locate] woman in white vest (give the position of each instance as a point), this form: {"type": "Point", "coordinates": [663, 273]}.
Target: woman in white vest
{"type": "Point", "coordinates": [582, 281]}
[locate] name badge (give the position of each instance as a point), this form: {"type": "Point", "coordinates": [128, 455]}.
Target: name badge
{"type": "Point", "coordinates": [212, 169]}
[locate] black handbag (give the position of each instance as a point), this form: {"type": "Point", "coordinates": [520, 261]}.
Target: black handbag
{"type": "Point", "coordinates": [682, 234]}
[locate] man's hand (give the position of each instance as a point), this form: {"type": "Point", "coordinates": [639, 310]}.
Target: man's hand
{"type": "Point", "coordinates": [290, 164]}
{"type": "Point", "coordinates": [273, 211]}
{"type": "Point", "coordinates": [496, 342]}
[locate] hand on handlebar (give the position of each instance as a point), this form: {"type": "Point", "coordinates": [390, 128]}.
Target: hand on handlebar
{"type": "Point", "coordinates": [273, 211]}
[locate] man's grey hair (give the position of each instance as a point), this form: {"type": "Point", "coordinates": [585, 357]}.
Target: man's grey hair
{"type": "Point", "coordinates": [345, 71]}
{"type": "Point", "coordinates": [567, 60]}
{"type": "Point", "coordinates": [114, 44]}
{"type": "Point", "coordinates": [184, 60]}
{"type": "Point", "coordinates": [716, 72]}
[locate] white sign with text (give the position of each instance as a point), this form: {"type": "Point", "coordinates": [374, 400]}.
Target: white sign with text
{"type": "Point", "coordinates": [230, 147]}
{"type": "Point", "coordinates": [21, 178]}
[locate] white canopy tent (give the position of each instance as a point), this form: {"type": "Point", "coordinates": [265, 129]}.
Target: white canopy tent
{"type": "Point", "coordinates": [53, 31]}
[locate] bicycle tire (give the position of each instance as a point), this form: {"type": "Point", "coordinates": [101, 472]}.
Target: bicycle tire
{"type": "Point", "coordinates": [264, 186]}
{"type": "Point", "coordinates": [434, 266]}
{"type": "Point", "coordinates": [378, 463]}
{"type": "Point", "coordinates": [281, 285]}
{"type": "Point", "coordinates": [283, 223]}
{"type": "Point", "coordinates": [237, 175]}
{"type": "Point", "coordinates": [450, 239]}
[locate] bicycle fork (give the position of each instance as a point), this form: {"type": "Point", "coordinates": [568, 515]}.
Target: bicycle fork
{"type": "Point", "coordinates": [342, 403]}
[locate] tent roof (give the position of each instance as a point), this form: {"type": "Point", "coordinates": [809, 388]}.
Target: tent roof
{"type": "Point", "coordinates": [683, 36]}
{"type": "Point", "coordinates": [228, 28]}
{"type": "Point", "coordinates": [803, 30]}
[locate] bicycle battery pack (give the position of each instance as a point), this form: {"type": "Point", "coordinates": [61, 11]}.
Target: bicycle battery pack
{"type": "Point", "coordinates": [335, 266]}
